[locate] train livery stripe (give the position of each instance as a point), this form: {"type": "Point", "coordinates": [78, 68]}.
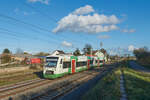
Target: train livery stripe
{"type": "Point", "coordinates": [53, 76]}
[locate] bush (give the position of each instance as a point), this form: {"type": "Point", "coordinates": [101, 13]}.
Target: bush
{"type": "Point", "coordinates": [5, 59]}
{"type": "Point", "coordinates": [142, 55]}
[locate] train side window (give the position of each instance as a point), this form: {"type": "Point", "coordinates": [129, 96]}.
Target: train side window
{"type": "Point", "coordinates": [81, 64]}
{"type": "Point", "coordinates": [78, 64]}
{"type": "Point", "coordinates": [66, 64]}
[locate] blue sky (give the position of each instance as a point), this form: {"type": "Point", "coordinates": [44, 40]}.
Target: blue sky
{"type": "Point", "coordinates": [131, 27]}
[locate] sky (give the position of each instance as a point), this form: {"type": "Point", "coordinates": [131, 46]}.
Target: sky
{"type": "Point", "coordinates": [47, 25]}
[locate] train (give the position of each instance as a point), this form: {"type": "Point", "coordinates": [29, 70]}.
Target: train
{"type": "Point", "coordinates": [60, 65]}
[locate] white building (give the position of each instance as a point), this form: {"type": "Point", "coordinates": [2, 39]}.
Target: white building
{"type": "Point", "coordinates": [100, 55]}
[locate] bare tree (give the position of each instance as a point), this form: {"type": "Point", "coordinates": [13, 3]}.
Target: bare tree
{"type": "Point", "coordinates": [87, 49]}
{"type": "Point", "coordinates": [19, 51]}
{"type": "Point", "coordinates": [77, 52]}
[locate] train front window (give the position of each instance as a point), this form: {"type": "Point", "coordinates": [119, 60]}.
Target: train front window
{"type": "Point", "coordinates": [51, 64]}
{"type": "Point", "coordinates": [51, 61]}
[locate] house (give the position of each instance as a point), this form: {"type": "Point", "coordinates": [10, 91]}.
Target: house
{"type": "Point", "coordinates": [60, 52]}
{"type": "Point", "coordinates": [100, 54]}
{"type": "Point", "coordinates": [57, 52]}
{"type": "Point", "coordinates": [21, 57]}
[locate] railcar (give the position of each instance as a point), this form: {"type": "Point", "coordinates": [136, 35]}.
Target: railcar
{"type": "Point", "coordinates": [59, 65]}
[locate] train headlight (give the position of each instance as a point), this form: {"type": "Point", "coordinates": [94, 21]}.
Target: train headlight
{"type": "Point", "coordinates": [49, 72]}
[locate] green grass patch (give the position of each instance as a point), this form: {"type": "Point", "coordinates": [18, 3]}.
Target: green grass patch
{"type": "Point", "coordinates": [108, 88]}
{"type": "Point", "coordinates": [137, 84]}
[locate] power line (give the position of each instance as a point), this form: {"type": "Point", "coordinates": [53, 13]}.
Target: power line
{"type": "Point", "coordinates": [25, 23]}
{"type": "Point", "coordinates": [10, 33]}
{"type": "Point", "coordinates": [32, 25]}
{"type": "Point", "coordinates": [37, 10]}
{"type": "Point", "coordinates": [29, 24]}
{"type": "Point", "coordinates": [45, 15]}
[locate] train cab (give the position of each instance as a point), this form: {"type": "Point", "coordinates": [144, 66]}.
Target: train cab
{"type": "Point", "coordinates": [51, 65]}
{"type": "Point", "coordinates": [56, 66]}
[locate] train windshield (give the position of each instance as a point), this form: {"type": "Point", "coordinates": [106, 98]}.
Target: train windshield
{"type": "Point", "coordinates": [51, 64]}
{"type": "Point", "coordinates": [51, 61]}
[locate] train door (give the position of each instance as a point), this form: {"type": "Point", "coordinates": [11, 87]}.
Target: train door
{"type": "Point", "coordinates": [73, 65]}
{"type": "Point", "coordinates": [88, 64]}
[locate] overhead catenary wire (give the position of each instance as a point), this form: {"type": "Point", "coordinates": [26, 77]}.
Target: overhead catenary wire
{"type": "Point", "coordinates": [13, 37]}
{"type": "Point", "coordinates": [47, 16]}
{"type": "Point", "coordinates": [11, 33]}
{"type": "Point", "coordinates": [34, 27]}
{"type": "Point", "coordinates": [37, 10]}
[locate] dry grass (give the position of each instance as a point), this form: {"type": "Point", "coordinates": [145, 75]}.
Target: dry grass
{"type": "Point", "coordinates": [12, 78]}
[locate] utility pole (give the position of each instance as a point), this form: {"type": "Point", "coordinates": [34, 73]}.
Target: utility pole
{"type": "Point", "coordinates": [101, 45]}
{"type": "Point", "coordinates": [91, 51]}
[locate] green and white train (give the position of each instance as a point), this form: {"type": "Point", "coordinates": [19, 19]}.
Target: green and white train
{"type": "Point", "coordinates": [59, 65]}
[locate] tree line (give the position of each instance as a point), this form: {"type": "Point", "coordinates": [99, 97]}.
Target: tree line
{"type": "Point", "coordinates": [87, 50]}
{"type": "Point", "coordinates": [142, 55]}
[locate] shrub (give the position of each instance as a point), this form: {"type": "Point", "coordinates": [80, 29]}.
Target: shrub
{"type": "Point", "coordinates": [5, 59]}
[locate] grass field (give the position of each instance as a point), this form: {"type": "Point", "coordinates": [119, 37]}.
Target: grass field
{"type": "Point", "coordinates": [137, 84]}
{"type": "Point", "coordinates": [12, 78]}
{"type": "Point", "coordinates": [106, 89]}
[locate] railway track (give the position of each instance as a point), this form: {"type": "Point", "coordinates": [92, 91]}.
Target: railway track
{"type": "Point", "coordinates": [20, 84]}
{"type": "Point", "coordinates": [58, 87]}
{"type": "Point", "coordinates": [8, 91]}
{"type": "Point", "coordinates": [56, 93]}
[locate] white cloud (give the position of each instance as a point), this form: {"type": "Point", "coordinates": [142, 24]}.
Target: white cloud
{"type": "Point", "coordinates": [84, 10]}
{"type": "Point", "coordinates": [41, 1]}
{"type": "Point", "coordinates": [66, 44]}
{"type": "Point", "coordinates": [128, 30]}
{"type": "Point", "coordinates": [131, 48]}
{"type": "Point", "coordinates": [103, 36]}
{"type": "Point", "coordinates": [90, 23]}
